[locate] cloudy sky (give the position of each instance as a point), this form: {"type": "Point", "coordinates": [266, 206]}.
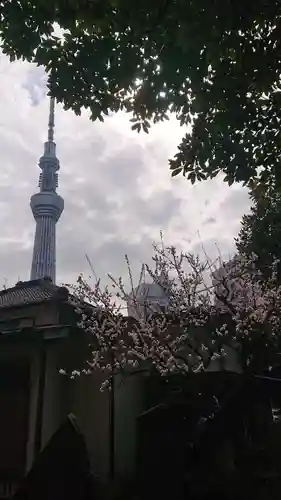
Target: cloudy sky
{"type": "Point", "coordinates": [116, 185]}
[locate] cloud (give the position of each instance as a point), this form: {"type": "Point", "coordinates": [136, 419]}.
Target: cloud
{"type": "Point", "coordinates": [116, 185]}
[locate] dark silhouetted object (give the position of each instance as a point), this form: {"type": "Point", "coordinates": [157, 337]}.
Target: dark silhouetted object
{"type": "Point", "coordinates": [62, 470]}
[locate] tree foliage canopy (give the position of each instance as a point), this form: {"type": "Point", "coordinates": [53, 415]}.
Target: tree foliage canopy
{"type": "Point", "coordinates": [261, 229]}
{"type": "Point", "coordinates": [215, 64]}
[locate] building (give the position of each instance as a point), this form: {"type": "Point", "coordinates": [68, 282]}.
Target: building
{"type": "Point", "coordinates": [149, 298]}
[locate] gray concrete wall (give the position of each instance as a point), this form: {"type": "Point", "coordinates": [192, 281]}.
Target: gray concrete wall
{"type": "Point", "coordinates": [12, 352]}
{"type": "Point", "coordinates": [92, 410]}
{"type": "Point", "coordinates": [128, 406]}
{"type": "Point", "coordinates": [55, 408]}
{"type": "Point", "coordinates": [33, 397]}
{"type": "Point", "coordinates": [91, 407]}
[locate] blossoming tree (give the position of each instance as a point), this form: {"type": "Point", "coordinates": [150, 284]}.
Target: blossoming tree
{"type": "Point", "coordinates": [212, 307]}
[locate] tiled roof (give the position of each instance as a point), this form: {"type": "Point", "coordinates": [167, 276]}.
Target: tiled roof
{"type": "Point", "coordinates": [30, 292]}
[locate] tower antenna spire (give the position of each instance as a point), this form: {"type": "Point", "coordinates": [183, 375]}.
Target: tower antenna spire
{"type": "Point", "coordinates": [51, 125]}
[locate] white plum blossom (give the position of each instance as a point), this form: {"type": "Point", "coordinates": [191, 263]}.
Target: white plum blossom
{"type": "Point", "coordinates": [208, 309]}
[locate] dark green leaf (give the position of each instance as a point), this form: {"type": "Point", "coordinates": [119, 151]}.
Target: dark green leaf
{"type": "Point", "coordinates": [176, 171]}
{"type": "Point", "coordinates": [136, 126]}
{"type": "Point", "coordinates": [192, 177]}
